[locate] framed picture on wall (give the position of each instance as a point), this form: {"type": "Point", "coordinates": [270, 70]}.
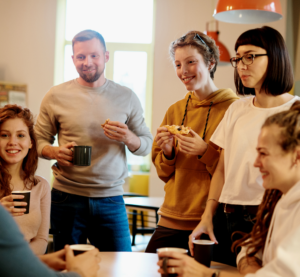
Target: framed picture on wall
{"type": "Point", "coordinates": [11, 93]}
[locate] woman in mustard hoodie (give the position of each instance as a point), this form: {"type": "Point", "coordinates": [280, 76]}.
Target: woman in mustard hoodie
{"type": "Point", "coordinates": [186, 162]}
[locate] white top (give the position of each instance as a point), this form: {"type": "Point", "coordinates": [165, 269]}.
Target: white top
{"type": "Point", "coordinates": [282, 251]}
{"type": "Point", "coordinates": [237, 134]}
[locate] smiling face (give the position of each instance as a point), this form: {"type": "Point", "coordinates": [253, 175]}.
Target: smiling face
{"type": "Point", "coordinates": [15, 141]}
{"type": "Point", "coordinates": [191, 68]}
{"type": "Point", "coordinates": [252, 75]}
{"type": "Point", "coordinates": [278, 168]}
{"type": "Point", "coordinates": [89, 59]}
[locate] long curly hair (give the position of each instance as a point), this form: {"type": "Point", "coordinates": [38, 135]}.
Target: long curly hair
{"type": "Point", "coordinates": [289, 123]}
{"type": "Point", "coordinates": [30, 162]}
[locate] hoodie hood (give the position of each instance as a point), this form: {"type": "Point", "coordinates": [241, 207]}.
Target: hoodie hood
{"type": "Point", "coordinates": [219, 96]}
{"type": "Point", "coordinates": [291, 197]}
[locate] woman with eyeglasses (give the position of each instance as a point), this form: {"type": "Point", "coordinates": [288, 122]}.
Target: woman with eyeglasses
{"type": "Point", "coordinates": [273, 246]}
{"type": "Point", "coordinates": [263, 73]}
{"type": "Point", "coordinates": [186, 162]}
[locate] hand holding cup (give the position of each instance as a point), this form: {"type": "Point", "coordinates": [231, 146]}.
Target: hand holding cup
{"type": "Point", "coordinates": [182, 265]}
{"type": "Point", "coordinates": [86, 264]}
{"type": "Point", "coordinates": [167, 262]}
{"type": "Point", "coordinates": [11, 204]}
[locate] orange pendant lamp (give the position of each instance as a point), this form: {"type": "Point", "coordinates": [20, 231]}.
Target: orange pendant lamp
{"type": "Point", "coordinates": [224, 53]}
{"type": "Point", "coordinates": [248, 11]}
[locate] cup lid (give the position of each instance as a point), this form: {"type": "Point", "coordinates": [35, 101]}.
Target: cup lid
{"type": "Point", "coordinates": [82, 247]}
{"type": "Point", "coordinates": [203, 242]}
{"type": "Point", "coordinates": [175, 249]}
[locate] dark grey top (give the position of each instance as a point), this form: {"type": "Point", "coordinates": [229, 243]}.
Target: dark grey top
{"type": "Point", "coordinates": [16, 258]}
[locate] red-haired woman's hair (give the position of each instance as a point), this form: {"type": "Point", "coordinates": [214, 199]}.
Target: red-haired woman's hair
{"type": "Point", "coordinates": [289, 123]}
{"type": "Point", "coordinates": [30, 162]}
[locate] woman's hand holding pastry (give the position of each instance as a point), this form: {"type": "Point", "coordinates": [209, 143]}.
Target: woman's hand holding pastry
{"type": "Point", "coordinates": [164, 140]}
{"type": "Point", "coordinates": [194, 145]}
{"type": "Point", "coordinates": [8, 203]}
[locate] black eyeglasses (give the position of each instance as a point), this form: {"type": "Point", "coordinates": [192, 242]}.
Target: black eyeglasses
{"type": "Point", "coordinates": [246, 59]}
{"type": "Point", "coordinates": [199, 38]}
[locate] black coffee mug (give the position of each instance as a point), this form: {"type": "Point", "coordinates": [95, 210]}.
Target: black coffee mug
{"type": "Point", "coordinates": [82, 155]}
{"type": "Point", "coordinates": [203, 251]}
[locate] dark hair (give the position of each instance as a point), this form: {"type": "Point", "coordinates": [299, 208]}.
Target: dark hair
{"type": "Point", "coordinates": [289, 122]}
{"type": "Point", "coordinates": [88, 35]}
{"type": "Point", "coordinates": [30, 162]}
{"type": "Point", "coordinates": [209, 50]}
{"type": "Point", "coordinates": [279, 78]}
{"type": "Point", "coordinates": [256, 239]}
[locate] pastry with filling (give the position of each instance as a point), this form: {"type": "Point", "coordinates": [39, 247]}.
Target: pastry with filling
{"type": "Point", "coordinates": [176, 129]}
{"type": "Point", "coordinates": [106, 121]}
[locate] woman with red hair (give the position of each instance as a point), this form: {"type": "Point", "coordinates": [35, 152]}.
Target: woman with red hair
{"type": "Point", "coordinates": [19, 160]}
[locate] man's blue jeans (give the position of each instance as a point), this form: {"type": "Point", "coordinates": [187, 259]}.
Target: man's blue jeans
{"type": "Point", "coordinates": [103, 221]}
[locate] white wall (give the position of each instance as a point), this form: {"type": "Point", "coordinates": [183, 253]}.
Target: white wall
{"type": "Point", "coordinates": [173, 19]}
{"type": "Point", "coordinates": [27, 31]}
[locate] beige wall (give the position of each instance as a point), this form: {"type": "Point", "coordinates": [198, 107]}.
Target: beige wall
{"type": "Point", "coordinates": [27, 31]}
{"type": "Point", "coordinates": [173, 19]}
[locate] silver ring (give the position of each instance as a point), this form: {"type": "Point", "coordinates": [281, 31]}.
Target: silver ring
{"type": "Point", "coordinates": [172, 270]}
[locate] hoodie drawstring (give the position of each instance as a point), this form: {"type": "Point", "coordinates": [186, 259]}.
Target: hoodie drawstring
{"type": "Point", "coordinates": [185, 109]}
{"type": "Point", "coordinates": [207, 120]}
{"type": "Point", "coordinates": [187, 102]}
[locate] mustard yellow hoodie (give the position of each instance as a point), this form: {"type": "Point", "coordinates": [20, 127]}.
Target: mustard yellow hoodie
{"type": "Point", "coordinates": [187, 177]}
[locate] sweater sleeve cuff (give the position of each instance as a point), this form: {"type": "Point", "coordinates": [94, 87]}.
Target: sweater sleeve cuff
{"type": "Point", "coordinates": [168, 162]}
{"type": "Point", "coordinates": [40, 147]}
{"type": "Point", "coordinates": [210, 155]}
{"type": "Point", "coordinates": [144, 148]}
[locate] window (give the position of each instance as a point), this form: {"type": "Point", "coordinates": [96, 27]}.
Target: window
{"type": "Point", "coordinates": [127, 27]}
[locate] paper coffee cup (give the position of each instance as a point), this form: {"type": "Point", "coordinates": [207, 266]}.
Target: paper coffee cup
{"type": "Point", "coordinates": [165, 259]}
{"type": "Point", "coordinates": [81, 248]}
{"type": "Point", "coordinates": [26, 199]}
{"type": "Point", "coordinates": [203, 250]}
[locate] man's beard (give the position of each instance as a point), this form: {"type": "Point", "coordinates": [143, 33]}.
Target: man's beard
{"type": "Point", "coordinates": [91, 78]}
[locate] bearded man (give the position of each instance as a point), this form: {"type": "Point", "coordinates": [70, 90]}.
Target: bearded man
{"type": "Point", "coordinates": [87, 202]}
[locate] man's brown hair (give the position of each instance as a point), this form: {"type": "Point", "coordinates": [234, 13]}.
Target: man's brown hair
{"type": "Point", "coordinates": [88, 35]}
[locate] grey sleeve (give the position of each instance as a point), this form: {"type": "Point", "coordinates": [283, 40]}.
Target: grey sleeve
{"type": "Point", "coordinates": [136, 124]}
{"type": "Point", "coordinates": [16, 258]}
{"type": "Point", "coordinates": [46, 126]}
